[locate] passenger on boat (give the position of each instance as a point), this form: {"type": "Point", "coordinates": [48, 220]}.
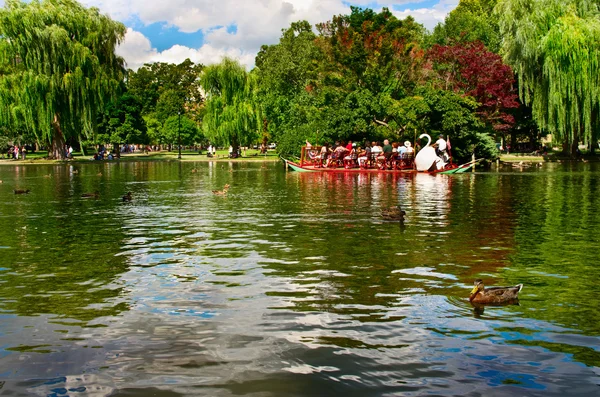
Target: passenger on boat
{"type": "Point", "coordinates": [387, 149]}
{"type": "Point", "coordinates": [337, 157]}
{"type": "Point", "coordinates": [407, 148]}
{"type": "Point", "coordinates": [375, 148]}
{"type": "Point", "coordinates": [364, 155]}
{"type": "Point", "coordinates": [441, 148]}
{"type": "Point", "coordinates": [322, 156]}
{"type": "Point", "coordinates": [350, 159]}
{"type": "Point", "coordinates": [349, 146]}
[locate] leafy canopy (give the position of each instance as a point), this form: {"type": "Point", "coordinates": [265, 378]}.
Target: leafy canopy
{"type": "Point", "coordinates": [232, 116]}
{"type": "Point", "coordinates": [59, 66]}
{"type": "Point", "coordinates": [554, 50]}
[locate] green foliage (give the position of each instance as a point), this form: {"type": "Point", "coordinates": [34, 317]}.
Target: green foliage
{"type": "Point", "coordinates": [59, 67]}
{"type": "Point", "coordinates": [167, 88]}
{"type": "Point", "coordinates": [190, 133]}
{"type": "Point", "coordinates": [471, 20]}
{"type": "Point", "coordinates": [232, 116]}
{"type": "Point", "coordinates": [554, 50]}
{"type": "Point", "coordinates": [122, 122]}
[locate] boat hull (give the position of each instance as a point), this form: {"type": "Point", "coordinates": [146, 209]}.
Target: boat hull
{"type": "Point", "coordinates": [309, 168]}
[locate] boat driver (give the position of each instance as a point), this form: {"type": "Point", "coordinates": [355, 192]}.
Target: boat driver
{"type": "Point", "coordinates": [441, 148]}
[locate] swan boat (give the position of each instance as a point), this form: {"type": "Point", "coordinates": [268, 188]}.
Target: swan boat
{"type": "Point", "coordinates": [426, 160]}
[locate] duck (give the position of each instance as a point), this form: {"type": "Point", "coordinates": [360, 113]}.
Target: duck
{"type": "Point", "coordinates": [494, 295]}
{"type": "Point", "coordinates": [21, 191]}
{"type": "Point", "coordinates": [99, 174]}
{"type": "Point", "coordinates": [91, 195]}
{"type": "Point", "coordinates": [48, 176]}
{"type": "Point", "coordinates": [75, 172]}
{"type": "Point", "coordinates": [127, 197]}
{"type": "Point", "coordinates": [194, 170]}
{"type": "Point", "coordinates": [393, 213]}
{"type": "Point", "coordinates": [221, 192]}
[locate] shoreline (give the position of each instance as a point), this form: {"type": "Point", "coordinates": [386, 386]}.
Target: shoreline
{"type": "Point", "coordinates": [154, 157]}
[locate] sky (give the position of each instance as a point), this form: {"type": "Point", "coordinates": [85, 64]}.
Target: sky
{"type": "Point", "coordinates": [207, 30]}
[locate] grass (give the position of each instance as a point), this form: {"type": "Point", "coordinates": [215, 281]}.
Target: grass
{"type": "Point", "coordinates": [550, 156]}
{"type": "Point", "coordinates": [186, 155]}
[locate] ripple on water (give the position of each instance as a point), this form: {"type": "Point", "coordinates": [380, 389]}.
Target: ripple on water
{"type": "Point", "coordinates": [293, 285]}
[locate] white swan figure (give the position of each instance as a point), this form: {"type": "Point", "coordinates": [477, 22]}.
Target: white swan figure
{"type": "Point", "coordinates": [427, 158]}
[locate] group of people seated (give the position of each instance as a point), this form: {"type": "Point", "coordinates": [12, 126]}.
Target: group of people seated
{"type": "Point", "coordinates": [373, 155]}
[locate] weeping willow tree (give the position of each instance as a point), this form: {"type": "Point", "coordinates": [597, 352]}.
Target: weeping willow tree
{"type": "Point", "coordinates": [554, 49]}
{"type": "Point", "coordinates": [57, 68]}
{"type": "Point", "coordinates": [231, 116]}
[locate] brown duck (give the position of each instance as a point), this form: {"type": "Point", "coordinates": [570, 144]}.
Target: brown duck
{"type": "Point", "coordinates": [494, 295]}
{"type": "Point", "coordinates": [221, 192]}
{"type": "Point", "coordinates": [127, 197]}
{"type": "Point", "coordinates": [393, 213]}
{"type": "Point", "coordinates": [21, 191]}
{"type": "Point", "coordinates": [95, 195]}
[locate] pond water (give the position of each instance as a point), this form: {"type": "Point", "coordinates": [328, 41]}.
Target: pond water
{"type": "Point", "coordinates": [293, 284]}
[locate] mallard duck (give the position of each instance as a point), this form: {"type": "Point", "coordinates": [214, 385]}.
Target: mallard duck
{"type": "Point", "coordinates": [221, 192]}
{"type": "Point", "coordinates": [393, 213]}
{"type": "Point", "coordinates": [91, 195]}
{"type": "Point", "coordinates": [127, 197]}
{"type": "Point", "coordinates": [99, 174]}
{"type": "Point", "coordinates": [480, 294]}
{"type": "Point", "coordinates": [194, 170]}
{"type": "Point", "coordinates": [21, 191]}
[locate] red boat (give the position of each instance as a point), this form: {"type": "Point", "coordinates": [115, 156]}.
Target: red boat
{"type": "Point", "coordinates": [425, 161]}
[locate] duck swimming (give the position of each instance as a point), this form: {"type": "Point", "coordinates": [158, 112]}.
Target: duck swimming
{"type": "Point", "coordinates": [393, 213]}
{"type": "Point", "coordinates": [127, 197]}
{"type": "Point", "coordinates": [494, 295]}
{"type": "Point", "coordinates": [221, 192]}
{"type": "Point", "coordinates": [91, 195]}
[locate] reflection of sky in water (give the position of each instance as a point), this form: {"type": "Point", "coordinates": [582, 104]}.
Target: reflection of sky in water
{"type": "Point", "coordinates": [294, 284]}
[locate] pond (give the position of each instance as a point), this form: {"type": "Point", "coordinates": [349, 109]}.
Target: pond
{"type": "Point", "coordinates": [293, 284]}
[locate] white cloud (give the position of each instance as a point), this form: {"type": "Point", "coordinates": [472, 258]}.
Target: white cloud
{"type": "Point", "coordinates": [257, 22]}
{"type": "Point", "coordinates": [137, 50]}
{"type": "Point", "coordinates": [429, 17]}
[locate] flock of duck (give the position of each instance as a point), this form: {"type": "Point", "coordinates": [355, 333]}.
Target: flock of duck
{"type": "Point", "coordinates": [478, 296]}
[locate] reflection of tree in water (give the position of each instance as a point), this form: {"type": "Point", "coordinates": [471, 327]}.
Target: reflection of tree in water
{"type": "Point", "coordinates": [61, 259]}
{"type": "Point", "coordinates": [349, 257]}
{"type": "Point", "coordinates": [557, 246]}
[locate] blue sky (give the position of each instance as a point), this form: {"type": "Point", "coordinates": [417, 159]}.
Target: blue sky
{"type": "Point", "coordinates": [207, 30]}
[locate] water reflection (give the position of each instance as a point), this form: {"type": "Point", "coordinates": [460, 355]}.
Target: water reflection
{"type": "Point", "coordinates": [293, 284]}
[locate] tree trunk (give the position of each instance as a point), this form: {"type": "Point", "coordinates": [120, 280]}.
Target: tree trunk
{"type": "Point", "coordinates": [57, 145]}
{"type": "Point", "coordinates": [81, 145]}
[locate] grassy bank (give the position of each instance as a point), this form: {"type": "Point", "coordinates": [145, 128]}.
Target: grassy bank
{"type": "Point", "coordinates": [221, 155]}
{"type": "Point", "coordinates": [550, 157]}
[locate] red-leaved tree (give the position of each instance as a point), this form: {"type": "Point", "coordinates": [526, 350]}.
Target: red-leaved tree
{"type": "Point", "coordinates": [469, 68]}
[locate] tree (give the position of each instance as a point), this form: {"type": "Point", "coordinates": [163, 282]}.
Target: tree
{"type": "Point", "coordinates": [232, 116]}
{"type": "Point", "coordinates": [174, 126]}
{"type": "Point", "coordinates": [287, 72]}
{"type": "Point", "coordinates": [122, 122]}
{"type": "Point", "coordinates": [472, 70]}
{"type": "Point", "coordinates": [471, 20]}
{"type": "Point", "coordinates": [166, 89]}
{"type": "Point", "coordinates": [60, 68]}
{"type": "Point", "coordinates": [553, 48]}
